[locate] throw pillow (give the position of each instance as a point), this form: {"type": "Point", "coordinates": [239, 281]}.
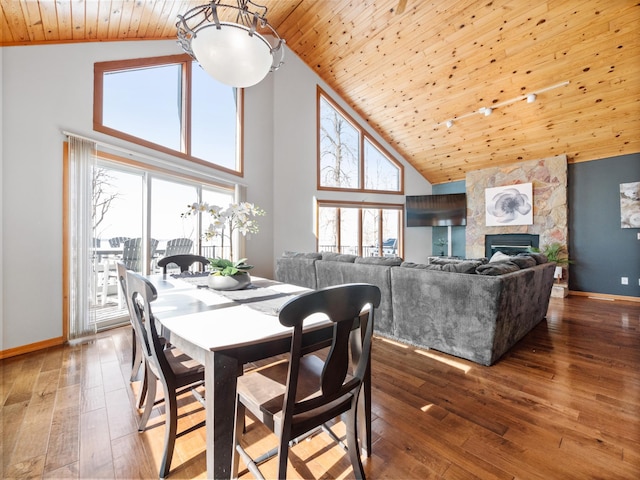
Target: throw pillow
{"type": "Point", "coordinates": [387, 261]}
{"type": "Point", "coordinates": [540, 258]}
{"type": "Point", "coordinates": [338, 257]}
{"type": "Point", "coordinates": [468, 266]}
{"type": "Point", "coordinates": [421, 266]}
{"type": "Point", "coordinates": [524, 261]}
{"type": "Point", "coordinates": [497, 268]}
{"type": "Point", "coordinates": [499, 257]}
{"type": "Point", "coordinates": [311, 256]}
{"type": "Point", "coordinates": [444, 260]}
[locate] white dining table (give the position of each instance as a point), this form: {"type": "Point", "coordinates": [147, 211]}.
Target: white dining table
{"type": "Point", "coordinates": [223, 334]}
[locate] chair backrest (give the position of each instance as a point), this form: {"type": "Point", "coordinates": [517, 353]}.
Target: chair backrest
{"type": "Point", "coordinates": [183, 261]}
{"type": "Point", "coordinates": [122, 280]}
{"type": "Point", "coordinates": [115, 242]}
{"type": "Point", "coordinates": [343, 304]}
{"type": "Point", "coordinates": [140, 294]}
{"type": "Point", "coordinates": [178, 246]}
{"type": "Point", "coordinates": [132, 253]}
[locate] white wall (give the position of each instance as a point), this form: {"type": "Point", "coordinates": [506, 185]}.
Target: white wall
{"type": "Point", "coordinates": [49, 88]}
{"type": "Point", "coordinates": [295, 165]}
{"type": "Point", "coordinates": [2, 191]}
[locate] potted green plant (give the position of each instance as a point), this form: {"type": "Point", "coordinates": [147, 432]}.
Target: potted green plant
{"type": "Point", "coordinates": [557, 253]}
{"type": "Point", "coordinates": [441, 242]}
{"type": "Point", "coordinates": [227, 274]}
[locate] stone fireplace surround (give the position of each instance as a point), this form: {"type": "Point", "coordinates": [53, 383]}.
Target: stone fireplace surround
{"type": "Point", "coordinates": [549, 179]}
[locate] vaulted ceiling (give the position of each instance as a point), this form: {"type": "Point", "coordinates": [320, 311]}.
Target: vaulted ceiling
{"type": "Point", "coordinates": [408, 66]}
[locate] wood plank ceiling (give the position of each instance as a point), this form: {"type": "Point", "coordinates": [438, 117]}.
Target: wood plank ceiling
{"type": "Point", "coordinates": [407, 66]}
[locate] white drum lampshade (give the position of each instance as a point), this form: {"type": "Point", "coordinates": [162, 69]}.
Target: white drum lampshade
{"type": "Point", "coordinates": [232, 56]}
{"type": "Point", "coordinates": [557, 273]}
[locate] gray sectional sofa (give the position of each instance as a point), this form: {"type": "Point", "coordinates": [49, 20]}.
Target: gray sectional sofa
{"type": "Point", "coordinates": [473, 309]}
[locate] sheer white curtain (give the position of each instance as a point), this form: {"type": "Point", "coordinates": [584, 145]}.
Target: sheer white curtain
{"type": "Point", "coordinates": [82, 161]}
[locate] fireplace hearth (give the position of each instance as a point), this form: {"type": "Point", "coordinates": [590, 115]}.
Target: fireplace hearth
{"type": "Point", "coordinates": [510, 243]}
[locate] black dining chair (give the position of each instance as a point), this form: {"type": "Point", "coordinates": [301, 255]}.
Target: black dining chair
{"type": "Point", "coordinates": [183, 261]}
{"type": "Point", "coordinates": [137, 360]}
{"type": "Point", "coordinates": [300, 396]}
{"type": "Point", "coordinates": [176, 371]}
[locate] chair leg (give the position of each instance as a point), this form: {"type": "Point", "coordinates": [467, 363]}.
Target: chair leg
{"type": "Point", "coordinates": [283, 456]}
{"type": "Point", "coordinates": [353, 449]}
{"type": "Point", "coordinates": [151, 397]}
{"type": "Point", "coordinates": [136, 356]}
{"type": "Point", "coordinates": [240, 430]}
{"type": "Point", "coordinates": [144, 386]}
{"type": "Point", "coordinates": [120, 296]}
{"type": "Point", "coordinates": [171, 428]}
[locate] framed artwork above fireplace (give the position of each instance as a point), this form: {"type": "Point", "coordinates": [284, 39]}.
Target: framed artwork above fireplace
{"type": "Point", "coordinates": [509, 205]}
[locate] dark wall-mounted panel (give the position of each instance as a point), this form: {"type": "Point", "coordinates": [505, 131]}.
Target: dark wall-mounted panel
{"type": "Point", "coordinates": [458, 237]}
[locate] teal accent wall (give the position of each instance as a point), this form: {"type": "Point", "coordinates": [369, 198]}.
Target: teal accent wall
{"type": "Point", "coordinates": [458, 238]}
{"type": "Point", "coordinates": [601, 250]}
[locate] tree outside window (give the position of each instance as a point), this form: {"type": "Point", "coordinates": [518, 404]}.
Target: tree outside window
{"type": "Point", "coordinates": [349, 158]}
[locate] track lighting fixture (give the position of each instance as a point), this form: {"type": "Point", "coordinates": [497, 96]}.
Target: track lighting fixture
{"type": "Point", "coordinates": [486, 111]}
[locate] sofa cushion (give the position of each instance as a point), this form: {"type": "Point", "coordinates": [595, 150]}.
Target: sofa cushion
{"type": "Point", "coordinates": [468, 266]}
{"type": "Point", "coordinates": [311, 256]}
{"type": "Point", "coordinates": [423, 266]}
{"type": "Point", "coordinates": [497, 268]}
{"type": "Point", "coordinates": [443, 260]}
{"type": "Point", "coordinates": [338, 257]}
{"type": "Point", "coordinates": [387, 261]}
{"type": "Point", "coordinates": [523, 261]}
{"type": "Point", "coordinates": [540, 258]}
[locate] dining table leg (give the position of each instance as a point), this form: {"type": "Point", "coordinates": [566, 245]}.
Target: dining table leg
{"type": "Point", "coordinates": [220, 376]}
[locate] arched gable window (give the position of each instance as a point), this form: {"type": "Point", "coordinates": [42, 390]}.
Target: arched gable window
{"type": "Point", "coordinates": [349, 158]}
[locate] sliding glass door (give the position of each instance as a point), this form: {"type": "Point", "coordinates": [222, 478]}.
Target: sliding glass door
{"type": "Point", "coordinates": [170, 233]}
{"type": "Point", "coordinates": [137, 220]}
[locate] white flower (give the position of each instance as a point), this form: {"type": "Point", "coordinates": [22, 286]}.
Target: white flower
{"type": "Point", "coordinates": [225, 221]}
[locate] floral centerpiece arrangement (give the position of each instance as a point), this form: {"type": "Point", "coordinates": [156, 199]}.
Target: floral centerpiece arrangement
{"type": "Point", "coordinates": [237, 217]}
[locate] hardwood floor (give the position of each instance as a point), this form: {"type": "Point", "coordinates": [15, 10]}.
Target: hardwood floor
{"type": "Point", "coordinates": [564, 403]}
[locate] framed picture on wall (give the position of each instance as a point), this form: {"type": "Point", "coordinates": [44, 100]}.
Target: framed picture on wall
{"type": "Point", "coordinates": [509, 205]}
{"type": "Point", "coordinates": [630, 205]}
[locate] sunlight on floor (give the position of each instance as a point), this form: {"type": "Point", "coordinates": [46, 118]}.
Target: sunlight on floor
{"type": "Point", "coordinates": [448, 361]}
{"type": "Point", "coordinates": [397, 344]}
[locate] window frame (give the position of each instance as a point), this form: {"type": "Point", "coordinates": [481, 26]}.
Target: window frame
{"type": "Point", "coordinates": [363, 137]}
{"type": "Point", "coordinates": [186, 62]}
{"type": "Point", "coordinates": [362, 206]}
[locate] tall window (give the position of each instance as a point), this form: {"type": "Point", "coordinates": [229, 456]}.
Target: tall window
{"type": "Point", "coordinates": [350, 159]}
{"type": "Point", "coordinates": [367, 230]}
{"type": "Point", "coordinates": [171, 105]}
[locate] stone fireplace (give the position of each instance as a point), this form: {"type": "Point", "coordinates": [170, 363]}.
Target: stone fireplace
{"type": "Point", "coordinates": [549, 179]}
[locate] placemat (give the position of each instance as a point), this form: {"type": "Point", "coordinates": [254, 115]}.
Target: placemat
{"type": "Point", "coordinates": [264, 300]}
